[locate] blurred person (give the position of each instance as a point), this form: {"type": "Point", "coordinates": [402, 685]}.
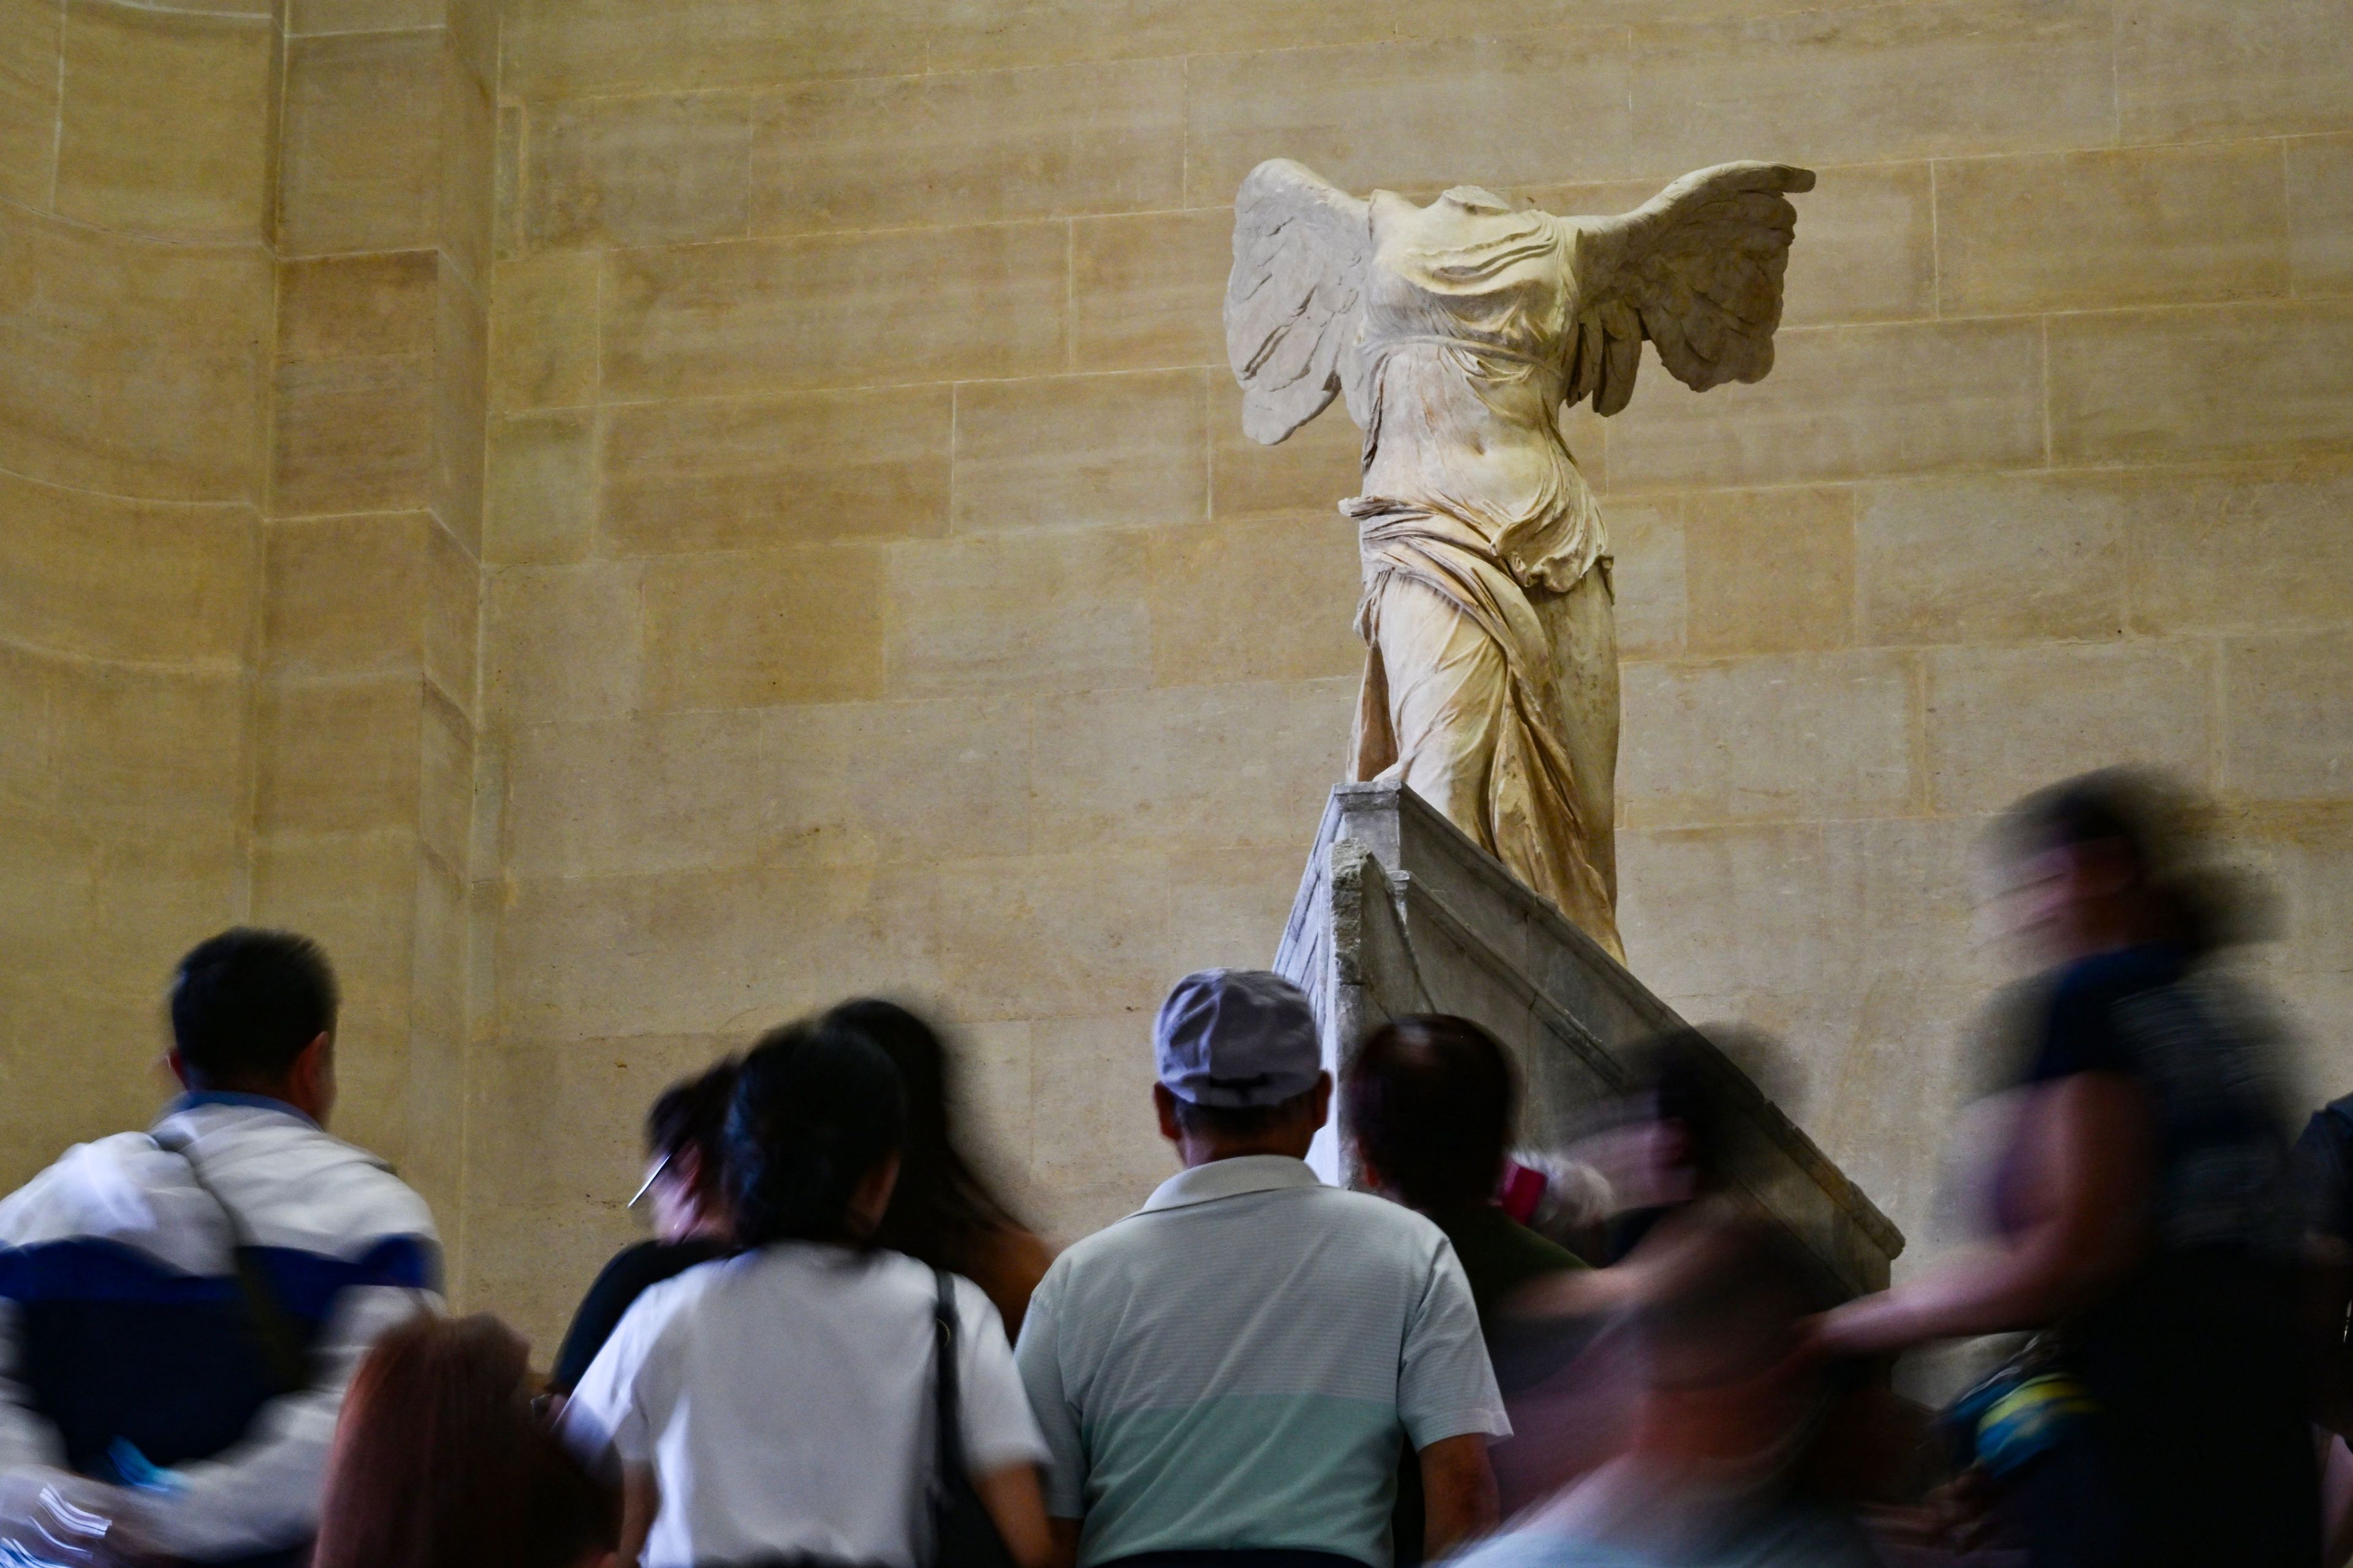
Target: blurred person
{"type": "Point", "coordinates": [685, 1189]}
{"type": "Point", "coordinates": [2143, 1210]}
{"type": "Point", "coordinates": [1227, 1375]}
{"type": "Point", "coordinates": [440, 1463]}
{"type": "Point", "coordinates": [2324, 1168]}
{"type": "Point", "coordinates": [182, 1308]}
{"type": "Point", "coordinates": [1565, 1200]}
{"type": "Point", "coordinates": [942, 1213]}
{"type": "Point", "coordinates": [783, 1405]}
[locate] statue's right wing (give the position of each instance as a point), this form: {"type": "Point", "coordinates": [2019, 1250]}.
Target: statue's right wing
{"type": "Point", "coordinates": [1295, 302]}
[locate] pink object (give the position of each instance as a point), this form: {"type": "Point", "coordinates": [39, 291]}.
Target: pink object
{"type": "Point", "coordinates": [1522, 1190]}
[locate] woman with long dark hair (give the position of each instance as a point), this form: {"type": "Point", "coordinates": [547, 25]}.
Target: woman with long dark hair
{"type": "Point", "coordinates": [438, 1461]}
{"type": "Point", "coordinates": [780, 1406]}
{"type": "Point", "coordinates": [943, 1212]}
{"type": "Point", "coordinates": [2142, 1210]}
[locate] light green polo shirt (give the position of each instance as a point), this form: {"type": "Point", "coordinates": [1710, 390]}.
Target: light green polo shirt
{"type": "Point", "coordinates": [1236, 1364]}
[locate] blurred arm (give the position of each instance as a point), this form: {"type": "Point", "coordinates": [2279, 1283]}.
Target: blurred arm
{"type": "Point", "coordinates": [2085, 1144]}
{"type": "Point", "coordinates": [640, 1500]}
{"type": "Point", "coordinates": [1016, 1506]}
{"type": "Point", "coordinates": [1457, 1489]}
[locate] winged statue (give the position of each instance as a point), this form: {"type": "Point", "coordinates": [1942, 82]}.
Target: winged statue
{"type": "Point", "coordinates": [1457, 332]}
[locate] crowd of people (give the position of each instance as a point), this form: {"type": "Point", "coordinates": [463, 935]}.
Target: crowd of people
{"type": "Point", "coordinates": [222, 1340]}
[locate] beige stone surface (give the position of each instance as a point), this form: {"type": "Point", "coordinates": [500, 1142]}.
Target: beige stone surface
{"type": "Point", "coordinates": [1079, 451]}
{"type": "Point", "coordinates": [542, 347]}
{"type": "Point", "coordinates": [359, 156]}
{"type": "Point", "coordinates": [2228, 380]}
{"type": "Point", "coordinates": [1983, 559]}
{"type": "Point", "coordinates": [802, 469]}
{"type": "Point", "coordinates": [2288, 729]}
{"type": "Point", "coordinates": [65, 586]}
{"type": "Point", "coordinates": [734, 629]}
{"type": "Point", "coordinates": [969, 147]}
{"type": "Point", "coordinates": [350, 307]}
{"type": "Point", "coordinates": [461, 403]}
{"type": "Point", "coordinates": [165, 124]}
{"type": "Point", "coordinates": [31, 37]}
{"type": "Point", "coordinates": [2281, 531]}
{"type": "Point", "coordinates": [972, 33]}
{"type": "Point", "coordinates": [468, 194]}
{"type": "Point", "coordinates": [638, 171]}
{"type": "Point", "coordinates": [1316, 469]}
{"type": "Point", "coordinates": [1769, 571]}
{"type": "Point", "coordinates": [339, 756]}
{"type": "Point", "coordinates": [1418, 114]}
{"type": "Point", "coordinates": [1145, 289]}
{"type": "Point", "coordinates": [555, 49]}
{"type": "Point", "coordinates": [362, 16]}
{"type": "Point", "coordinates": [346, 594]}
{"type": "Point", "coordinates": [2188, 71]}
{"type": "Point", "coordinates": [1845, 402]}
{"type": "Point", "coordinates": [1852, 83]}
{"type": "Point", "coordinates": [353, 435]}
{"type": "Point", "coordinates": [2320, 213]}
{"type": "Point", "coordinates": [130, 367]}
{"type": "Point", "coordinates": [2002, 720]}
{"type": "Point", "coordinates": [781, 315]}
{"type": "Point", "coordinates": [1053, 611]}
{"type": "Point", "coordinates": [563, 642]}
{"type": "Point", "coordinates": [1293, 579]}
{"type": "Point", "coordinates": [132, 748]}
{"type": "Point", "coordinates": [539, 506]}
{"type": "Point", "coordinates": [2149, 225]}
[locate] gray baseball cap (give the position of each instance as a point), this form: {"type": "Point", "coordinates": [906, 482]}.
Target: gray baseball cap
{"type": "Point", "coordinates": [1236, 1038]}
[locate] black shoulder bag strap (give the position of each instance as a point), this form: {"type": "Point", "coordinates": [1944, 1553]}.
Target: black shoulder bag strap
{"type": "Point", "coordinates": [963, 1535]}
{"type": "Point", "coordinates": [285, 1358]}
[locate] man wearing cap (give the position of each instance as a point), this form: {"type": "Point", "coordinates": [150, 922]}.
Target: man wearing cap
{"type": "Point", "coordinates": [1225, 1376]}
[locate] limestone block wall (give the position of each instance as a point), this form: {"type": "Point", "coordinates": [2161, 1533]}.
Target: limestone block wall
{"type": "Point", "coordinates": [880, 592]}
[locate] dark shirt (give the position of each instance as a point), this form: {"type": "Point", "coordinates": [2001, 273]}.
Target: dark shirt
{"type": "Point", "coordinates": [2324, 1159]}
{"type": "Point", "coordinates": [633, 1271]}
{"type": "Point", "coordinates": [1498, 1254]}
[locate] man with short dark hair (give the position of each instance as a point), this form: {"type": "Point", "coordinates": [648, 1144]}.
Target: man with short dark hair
{"type": "Point", "coordinates": [1229, 1375]}
{"type": "Point", "coordinates": [181, 1309]}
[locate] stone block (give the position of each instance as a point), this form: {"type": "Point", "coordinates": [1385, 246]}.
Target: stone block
{"type": "Point", "coordinates": [87, 574]}
{"type": "Point", "coordinates": [461, 331]}
{"type": "Point", "coordinates": [2282, 533]}
{"type": "Point", "coordinates": [2185, 71]}
{"type": "Point", "coordinates": [1189, 767]}
{"type": "Point", "coordinates": [453, 620]}
{"type": "Point", "coordinates": [1095, 1126]}
{"type": "Point", "coordinates": [1319, 467]}
{"type": "Point", "coordinates": [1147, 289]}
{"type": "Point", "coordinates": [1982, 558]}
{"type": "Point", "coordinates": [1415, 113]}
{"type": "Point", "coordinates": [362, 16]}
{"type": "Point", "coordinates": [2002, 721]}
{"type": "Point", "coordinates": [544, 332]}
{"type": "Point", "coordinates": [357, 307]}
{"type": "Point", "coordinates": [573, 48]}
{"type": "Point", "coordinates": [539, 501]}
{"type": "Point", "coordinates": [588, 959]}
{"type": "Point", "coordinates": [862, 780]}
{"type": "Point", "coordinates": [1649, 576]}
{"type": "Point", "coordinates": [1787, 738]}
{"type": "Point", "coordinates": [469, 151]}
{"type": "Point", "coordinates": [2320, 213]}
{"type": "Point", "coordinates": [783, 315]}
{"type": "Point", "coordinates": [2146, 225]}
{"type": "Point", "coordinates": [967, 34]}
{"type": "Point", "coordinates": [32, 36]}
{"type": "Point", "coordinates": [165, 128]}
{"type": "Point", "coordinates": [744, 628]}
{"type": "Point", "coordinates": [359, 158]}
{"type": "Point", "coordinates": [559, 1122]}
{"type": "Point", "coordinates": [2221, 381]}
{"type": "Point", "coordinates": [155, 750]}
{"type": "Point", "coordinates": [339, 756]}
{"type": "Point", "coordinates": [1769, 571]}
{"type": "Point", "coordinates": [1861, 83]}
{"type": "Point", "coordinates": [1842, 402]}
{"type": "Point", "coordinates": [1050, 611]}
{"type": "Point", "coordinates": [969, 147]}
{"type": "Point", "coordinates": [131, 368]}
{"type": "Point", "coordinates": [1294, 582]}
{"type": "Point", "coordinates": [1081, 451]}
{"type": "Point", "coordinates": [1055, 936]}
{"type": "Point", "coordinates": [353, 435]}
{"type": "Point", "coordinates": [562, 642]}
{"type": "Point", "coordinates": [346, 595]}
{"type": "Point", "coordinates": [653, 792]}
{"type": "Point", "coordinates": [638, 171]}
{"type": "Point", "coordinates": [1227, 908]}
{"type": "Point", "coordinates": [803, 468]}
{"type": "Point", "coordinates": [445, 802]}
{"type": "Point", "coordinates": [2287, 731]}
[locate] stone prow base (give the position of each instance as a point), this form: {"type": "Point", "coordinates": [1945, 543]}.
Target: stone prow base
{"type": "Point", "coordinates": [1400, 912]}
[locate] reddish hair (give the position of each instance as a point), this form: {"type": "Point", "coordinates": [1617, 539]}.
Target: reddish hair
{"type": "Point", "coordinates": [440, 1463]}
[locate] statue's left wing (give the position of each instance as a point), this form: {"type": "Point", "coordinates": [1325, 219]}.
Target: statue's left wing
{"type": "Point", "coordinates": [1295, 304]}
{"type": "Point", "coordinates": [1696, 269]}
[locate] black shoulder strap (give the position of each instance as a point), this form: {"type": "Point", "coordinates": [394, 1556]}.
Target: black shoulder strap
{"type": "Point", "coordinates": [284, 1357]}
{"type": "Point", "coordinates": [947, 1403]}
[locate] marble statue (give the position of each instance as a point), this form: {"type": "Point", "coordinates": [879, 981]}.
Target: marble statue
{"type": "Point", "coordinates": [1458, 331]}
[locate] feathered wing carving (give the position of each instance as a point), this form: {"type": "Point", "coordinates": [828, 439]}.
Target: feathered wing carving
{"type": "Point", "coordinates": [1696, 269]}
{"type": "Point", "coordinates": [1294, 304]}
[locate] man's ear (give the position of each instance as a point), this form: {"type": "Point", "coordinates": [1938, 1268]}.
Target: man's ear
{"type": "Point", "coordinates": [312, 1076]}
{"type": "Point", "coordinates": [178, 1065]}
{"type": "Point", "coordinates": [1164, 1102]}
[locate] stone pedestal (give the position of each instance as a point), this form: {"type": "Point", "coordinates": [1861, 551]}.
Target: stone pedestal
{"type": "Point", "coordinates": [1400, 912]}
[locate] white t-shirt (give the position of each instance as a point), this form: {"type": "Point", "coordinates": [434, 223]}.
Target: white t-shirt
{"type": "Point", "coordinates": [784, 1400]}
